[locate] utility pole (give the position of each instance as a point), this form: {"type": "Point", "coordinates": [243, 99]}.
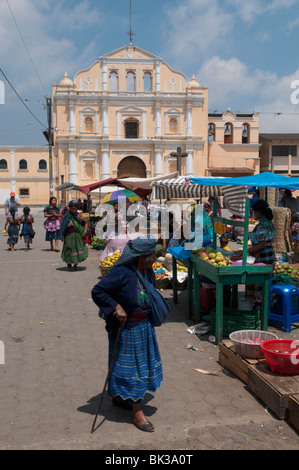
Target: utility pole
{"type": "Point", "coordinates": [179, 155]}
{"type": "Point", "coordinates": [49, 136]}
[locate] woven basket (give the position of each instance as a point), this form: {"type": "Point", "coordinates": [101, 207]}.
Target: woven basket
{"type": "Point", "coordinates": [104, 269]}
{"type": "Point", "coordinates": [162, 283]}
{"type": "Point", "coordinates": [281, 222]}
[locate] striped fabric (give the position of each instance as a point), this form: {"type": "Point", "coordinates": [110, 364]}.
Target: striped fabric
{"type": "Point", "coordinates": [177, 188]}
{"type": "Point", "coordinates": [137, 367]}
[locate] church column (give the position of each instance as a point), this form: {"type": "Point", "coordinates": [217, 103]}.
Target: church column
{"type": "Point", "coordinates": [104, 75]}
{"type": "Point", "coordinates": [158, 163]}
{"type": "Point", "coordinates": [72, 119]}
{"type": "Point", "coordinates": [189, 121]}
{"type": "Point", "coordinates": [105, 164]}
{"type": "Point", "coordinates": [189, 164]}
{"type": "Point", "coordinates": [104, 118]}
{"type": "Point", "coordinates": [144, 125]}
{"type": "Point", "coordinates": [158, 121]}
{"type": "Point", "coordinates": [73, 166]}
{"type": "Point", "coordinates": [157, 75]}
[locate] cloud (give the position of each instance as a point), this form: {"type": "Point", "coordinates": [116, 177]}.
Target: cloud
{"type": "Point", "coordinates": [52, 50]}
{"type": "Point", "coordinates": [232, 84]}
{"type": "Point", "coordinates": [249, 11]}
{"type": "Point", "coordinates": [195, 29]}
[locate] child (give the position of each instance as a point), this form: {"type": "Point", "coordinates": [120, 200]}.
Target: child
{"type": "Point", "coordinates": [224, 243]}
{"type": "Point", "coordinates": [27, 230]}
{"type": "Point", "coordinates": [13, 224]}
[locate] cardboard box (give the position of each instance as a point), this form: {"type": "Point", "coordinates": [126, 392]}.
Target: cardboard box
{"type": "Point", "coordinates": [272, 389]}
{"type": "Point", "coordinates": [232, 361]}
{"type": "Point", "coordinates": [293, 416]}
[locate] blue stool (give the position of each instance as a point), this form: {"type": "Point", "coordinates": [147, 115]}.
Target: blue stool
{"type": "Point", "coordinates": [287, 309]}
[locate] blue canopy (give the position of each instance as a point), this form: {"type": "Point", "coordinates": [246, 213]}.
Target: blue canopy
{"type": "Point", "coordinates": [266, 179]}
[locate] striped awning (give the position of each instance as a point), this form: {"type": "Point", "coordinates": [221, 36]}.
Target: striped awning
{"type": "Point", "coordinates": [179, 188]}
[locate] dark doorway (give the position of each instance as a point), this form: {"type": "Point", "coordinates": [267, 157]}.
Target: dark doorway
{"type": "Point", "coordinates": [131, 167]}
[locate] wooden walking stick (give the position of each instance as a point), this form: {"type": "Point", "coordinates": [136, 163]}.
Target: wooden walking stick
{"type": "Point", "coordinates": [107, 378]}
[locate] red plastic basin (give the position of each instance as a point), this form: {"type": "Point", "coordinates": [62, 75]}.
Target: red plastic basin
{"type": "Point", "coordinates": [282, 355]}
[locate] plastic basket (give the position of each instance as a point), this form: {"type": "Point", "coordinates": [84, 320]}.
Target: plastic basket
{"type": "Point", "coordinates": [235, 319]}
{"type": "Point", "coordinates": [248, 342]}
{"type": "Point", "coordinates": [285, 362]}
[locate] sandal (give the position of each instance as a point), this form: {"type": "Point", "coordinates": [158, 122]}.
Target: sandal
{"type": "Point", "coordinates": [147, 427]}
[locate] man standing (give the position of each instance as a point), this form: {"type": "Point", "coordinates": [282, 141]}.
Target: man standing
{"type": "Point", "coordinates": [89, 203]}
{"type": "Point", "coordinates": [10, 202]}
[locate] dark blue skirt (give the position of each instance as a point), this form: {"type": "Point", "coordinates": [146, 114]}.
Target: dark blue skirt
{"type": "Point", "coordinates": [137, 365]}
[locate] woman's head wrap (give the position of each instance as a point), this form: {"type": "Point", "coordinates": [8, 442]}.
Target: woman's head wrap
{"type": "Point", "coordinates": [141, 246]}
{"type": "Point", "coordinates": [73, 203]}
{"type": "Point", "coordinates": [264, 208]}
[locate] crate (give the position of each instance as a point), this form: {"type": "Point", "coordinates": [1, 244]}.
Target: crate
{"type": "Point", "coordinates": [293, 416]}
{"type": "Point", "coordinates": [236, 364]}
{"type": "Point", "coordinates": [272, 389]}
{"type": "Point", "coordinates": [235, 319]}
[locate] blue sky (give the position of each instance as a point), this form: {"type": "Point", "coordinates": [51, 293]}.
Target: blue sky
{"type": "Point", "coordinates": [244, 52]}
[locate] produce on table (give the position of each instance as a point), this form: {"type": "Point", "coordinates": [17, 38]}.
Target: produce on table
{"type": "Point", "coordinates": [212, 256]}
{"type": "Point", "coordinates": [98, 243]}
{"type": "Point", "coordinates": [109, 261]}
{"type": "Point", "coordinates": [286, 269]}
{"type": "Point", "coordinates": [160, 271]}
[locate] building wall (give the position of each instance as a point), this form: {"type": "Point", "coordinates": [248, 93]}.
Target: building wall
{"type": "Point", "coordinates": [25, 171]}
{"type": "Point", "coordinates": [279, 161]}
{"type": "Point", "coordinates": [235, 157]}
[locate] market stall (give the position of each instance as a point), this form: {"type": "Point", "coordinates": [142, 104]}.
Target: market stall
{"type": "Point", "coordinates": [242, 273]}
{"type": "Point", "coordinates": [231, 275]}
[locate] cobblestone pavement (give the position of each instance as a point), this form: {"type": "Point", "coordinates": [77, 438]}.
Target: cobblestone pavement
{"type": "Point", "coordinates": [56, 365]}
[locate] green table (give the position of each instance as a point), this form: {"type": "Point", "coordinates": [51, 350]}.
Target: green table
{"type": "Point", "coordinates": [230, 275]}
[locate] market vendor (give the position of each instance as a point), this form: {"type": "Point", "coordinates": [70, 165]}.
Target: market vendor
{"type": "Point", "coordinates": [263, 234]}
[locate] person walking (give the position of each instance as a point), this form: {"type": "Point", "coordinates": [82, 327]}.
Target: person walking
{"type": "Point", "coordinates": [52, 223]}
{"type": "Point", "coordinates": [13, 224]}
{"type": "Point", "coordinates": [27, 231]}
{"type": "Point", "coordinates": [73, 230]}
{"type": "Point", "coordinates": [12, 202]}
{"type": "Point", "coordinates": [123, 299]}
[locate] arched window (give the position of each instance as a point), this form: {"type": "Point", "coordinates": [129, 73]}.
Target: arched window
{"type": "Point", "coordinates": [88, 124]}
{"type": "Point", "coordinates": [3, 164]}
{"type": "Point", "coordinates": [147, 81]}
{"type": "Point", "coordinates": [245, 134]}
{"type": "Point", "coordinates": [23, 164]}
{"type": "Point", "coordinates": [173, 125]}
{"type": "Point", "coordinates": [89, 170]}
{"type": "Point", "coordinates": [211, 132]}
{"type": "Point", "coordinates": [113, 81]}
{"type": "Point", "coordinates": [228, 133]}
{"type": "Point", "coordinates": [42, 165]}
{"type": "Point", "coordinates": [130, 81]}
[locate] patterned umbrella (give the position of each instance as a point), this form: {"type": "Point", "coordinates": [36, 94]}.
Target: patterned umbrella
{"type": "Point", "coordinates": [113, 197]}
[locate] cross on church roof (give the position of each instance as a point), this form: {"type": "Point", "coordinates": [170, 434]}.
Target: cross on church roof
{"type": "Point", "coordinates": [130, 33]}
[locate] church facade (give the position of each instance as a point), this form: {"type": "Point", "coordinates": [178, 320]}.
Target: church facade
{"type": "Point", "coordinates": [124, 116]}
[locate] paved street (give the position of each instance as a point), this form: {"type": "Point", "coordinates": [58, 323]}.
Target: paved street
{"type": "Point", "coordinates": [56, 365]}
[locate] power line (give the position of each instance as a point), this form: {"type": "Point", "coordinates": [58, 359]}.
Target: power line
{"type": "Point", "coordinates": [26, 47]}
{"type": "Point", "coordinates": [21, 99]}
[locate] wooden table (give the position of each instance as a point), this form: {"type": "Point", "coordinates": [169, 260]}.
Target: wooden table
{"type": "Point", "coordinates": [234, 276]}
